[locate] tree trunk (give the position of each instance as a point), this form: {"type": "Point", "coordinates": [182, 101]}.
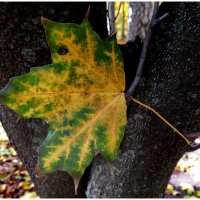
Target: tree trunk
{"type": "Point", "coordinates": [23, 45]}
{"type": "Point", "coordinates": [111, 12]}
{"type": "Point", "coordinates": [150, 149]}
{"type": "Point", "coordinates": [140, 18]}
{"type": "Point", "coordinates": [123, 21]}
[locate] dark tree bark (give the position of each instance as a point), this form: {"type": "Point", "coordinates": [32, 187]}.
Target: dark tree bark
{"type": "Point", "coordinates": [23, 45]}
{"type": "Point", "coordinates": [150, 149]}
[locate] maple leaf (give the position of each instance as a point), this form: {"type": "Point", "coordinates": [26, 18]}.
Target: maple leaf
{"type": "Point", "coordinates": [80, 95]}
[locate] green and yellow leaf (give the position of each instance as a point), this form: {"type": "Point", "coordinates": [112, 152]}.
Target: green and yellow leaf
{"type": "Point", "coordinates": [80, 95]}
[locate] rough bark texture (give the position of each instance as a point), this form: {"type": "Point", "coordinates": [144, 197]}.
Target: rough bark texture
{"type": "Point", "coordinates": [150, 149]}
{"type": "Point", "coordinates": [171, 85]}
{"type": "Point", "coordinates": [23, 45]}
{"type": "Point", "coordinates": [111, 12]}
{"type": "Point", "coordinates": [141, 13]}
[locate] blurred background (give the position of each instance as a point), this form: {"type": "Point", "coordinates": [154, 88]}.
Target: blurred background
{"type": "Point", "coordinates": [128, 20]}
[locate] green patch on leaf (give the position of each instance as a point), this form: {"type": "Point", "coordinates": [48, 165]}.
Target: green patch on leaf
{"type": "Point", "coordinates": [80, 95]}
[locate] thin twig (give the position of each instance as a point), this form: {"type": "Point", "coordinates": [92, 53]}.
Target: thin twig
{"type": "Point", "coordinates": [138, 75]}
{"type": "Point", "coordinates": [160, 18]}
{"type": "Point", "coordinates": [112, 20]}
{"type": "Point", "coordinates": [162, 118]}
{"type": "Point", "coordinates": [143, 54]}
{"type": "Point", "coordinates": [118, 11]}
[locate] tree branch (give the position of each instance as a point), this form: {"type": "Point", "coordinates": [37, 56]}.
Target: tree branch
{"type": "Point", "coordinates": [138, 75]}
{"type": "Point", "coordinates": [160, 19]}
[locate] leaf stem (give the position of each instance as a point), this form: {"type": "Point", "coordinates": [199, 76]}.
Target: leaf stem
{"type": "Point", "coordinates": [162, 118]}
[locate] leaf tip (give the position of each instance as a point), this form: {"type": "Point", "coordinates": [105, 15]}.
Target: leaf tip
{"type": "Point", "coordinates": [112, 37]}
{"type": "Point", "coordinates": [96, 153]}
{"type": "Point", "coordinates": [114, 34]}
{"type": "Point", "coordinates": [87, 14]}
{"type": "Point", "coordinates": [110, 165]}
{"type": "Point", "coordinates": [18, 118]}
{"type": "Point", "coordinates": [38, 172]}
{"type": "Point", "coordinates": [76, 184]}
{"type": "Point", "coordinates": [42, 19]}
{"type": "Point", "coordinates": [45, 22]}
{"type": "Point", "coordinates": [2, 96]}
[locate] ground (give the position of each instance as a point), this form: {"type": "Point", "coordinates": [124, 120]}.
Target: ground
{"type": "Point", "coordinates": [185, 179]}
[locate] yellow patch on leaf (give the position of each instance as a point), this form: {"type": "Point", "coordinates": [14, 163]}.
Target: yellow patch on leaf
{"type": "Point", "coordinates": [80, 95]}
